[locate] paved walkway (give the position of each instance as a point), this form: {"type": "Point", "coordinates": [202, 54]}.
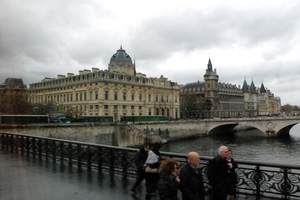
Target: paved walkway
{"type": "Point", "coordinates": [25, 178]}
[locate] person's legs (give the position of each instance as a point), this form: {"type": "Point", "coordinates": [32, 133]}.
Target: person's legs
{"type": "Point", "coordinates": [140, 177]}
{"type": "Point", "coordinates": [151, 182]}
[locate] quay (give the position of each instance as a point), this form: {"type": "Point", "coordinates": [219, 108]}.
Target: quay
{"type": "Point", "coordinates": [42, 168]}
{"type": "Point", "coordinates": [135, 134]}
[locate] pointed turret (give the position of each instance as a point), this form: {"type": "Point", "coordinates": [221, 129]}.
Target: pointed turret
{"type": "Point", "coordinates": [263, 89]}
{"type": "Point", "coordinates": [245, 87]}
{"type": "Point", "coordinates": [209, 65]}
{"type": "Point", "coordinates": [252, 87]}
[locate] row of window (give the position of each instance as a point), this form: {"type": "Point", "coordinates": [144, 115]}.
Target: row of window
{"type": "Point", "coordinates": [82, 96]}
{"type": "Point", "coordinates": [80, 86]}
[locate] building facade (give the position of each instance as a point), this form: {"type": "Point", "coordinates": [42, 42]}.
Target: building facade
{"type": "Point", "coordinates": [13, 96]}
{"type": "Point", "coordinates": [214, 99]}
{"type": "Point", "coordinates": [117, 91]}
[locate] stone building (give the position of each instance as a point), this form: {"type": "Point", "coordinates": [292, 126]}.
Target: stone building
{"type": "Point", "coordinates": [117, 91]}
{"type": "Point", "coordinates": [214, 99]}
{"type": "Point", "coordinates": [13, 96]}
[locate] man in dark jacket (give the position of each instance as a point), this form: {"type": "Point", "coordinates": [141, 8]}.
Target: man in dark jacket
{"type": "Point", "coordinates": [191, 180]}
{"type": "Point", "coordinates": [139, 160]}
{"type": "Point", "coordinates": [217, 175]}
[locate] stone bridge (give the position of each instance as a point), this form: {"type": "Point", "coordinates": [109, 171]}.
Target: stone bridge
{"type": "Point", "coordinates": [270, 126]}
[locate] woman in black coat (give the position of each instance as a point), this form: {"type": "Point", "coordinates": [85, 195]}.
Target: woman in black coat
{"type": "Point", "coordinates": [169, 181]}
{"type": "Point", "coordinates": [139, 160]}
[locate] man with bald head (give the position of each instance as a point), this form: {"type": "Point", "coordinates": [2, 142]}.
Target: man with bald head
{"type": "Point", "coordinates": [217, 171]}
{"type": "Point", "coordinates": [191, 180]}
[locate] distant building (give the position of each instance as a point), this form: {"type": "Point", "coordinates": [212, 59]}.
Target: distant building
{"type": "Point", "coordinates": [117, 91]}
{"type": "Point", "coordinates": [214, 99]}
{"type": "Point", "coordinates": [13, 93]}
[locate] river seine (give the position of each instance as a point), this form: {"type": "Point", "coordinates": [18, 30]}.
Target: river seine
{"type": "Point", "coordinates": [248, 145]}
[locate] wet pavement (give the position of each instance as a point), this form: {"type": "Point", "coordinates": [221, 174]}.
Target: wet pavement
{"type": "Point", "coordinates": [27, 178]}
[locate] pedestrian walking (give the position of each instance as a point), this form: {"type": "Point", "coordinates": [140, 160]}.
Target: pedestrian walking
{"type": "Point", "coordinates": [217, 173]}
{"type": "Point", "coordinates": [191, 180]}
{"type": "Point", "coordinates": [151, 171]}
{"type": "Point", "coordinates": [139, 160]}
{"type": "Point", "coordinates": [169, 181]}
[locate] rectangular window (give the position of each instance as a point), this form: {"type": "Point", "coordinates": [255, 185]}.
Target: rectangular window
{"type": "Point", "coordinates": [132, 97]}
{"type": "Point", "coordinates": [132, 107]}
{"type": "Point", "coordinates": [149, 97]}
{"type": "Point", "coordinates": [149, 111]}
{"type": "Point", "coordinates": [106, 95]}
{"type": "Point", "coordinates": [156, 98]}
{"type": "Point", "coordinates": [91, 95]}
{"type": "Point", "coordinates": [96, 95]}
{"type": "Point", "coordinates": [140, 97]}
{"type": "Point", "coordinates": [124, 96]}
{"type": "Point", "coordinates": [85, 96]}
{"type": "Point", "coordinates": [124, 107]}
{"type": "Point", "coordinates": [105, 106]}
{"type": "Point", "coordinates": [91, 107]}
{"type": "Point", "coordinates": [140, 107]}
{"type": "Point", "coordinates": [115, 107]}
{"type": "Point", "coordinates": [116, 95]}
{"type": "Point", "coordinates": [96, 107]}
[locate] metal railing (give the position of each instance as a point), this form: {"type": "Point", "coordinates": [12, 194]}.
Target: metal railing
{"type": "Point", "coordinates": [277, 181]}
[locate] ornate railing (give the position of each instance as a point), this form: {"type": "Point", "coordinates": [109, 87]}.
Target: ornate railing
{"type": "Point", "coordinates": [277, 181]}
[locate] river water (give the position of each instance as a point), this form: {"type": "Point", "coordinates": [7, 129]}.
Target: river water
{"type": "Point", "coordinates": [250, 145]}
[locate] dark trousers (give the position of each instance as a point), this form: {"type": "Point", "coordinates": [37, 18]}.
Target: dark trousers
{"type": "Point", "coordinates": [151, 182]}
{"type": "Point", "coordinates": [218, 193]}
{"type": "Point", "coordinates": [140, 175]}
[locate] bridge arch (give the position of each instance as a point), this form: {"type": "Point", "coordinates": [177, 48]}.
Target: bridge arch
{"type": "Point", "coordinates": [270, 127]}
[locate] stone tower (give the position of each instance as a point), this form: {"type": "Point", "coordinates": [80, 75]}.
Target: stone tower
{"type": "Point", "coordinates": [211, 88]}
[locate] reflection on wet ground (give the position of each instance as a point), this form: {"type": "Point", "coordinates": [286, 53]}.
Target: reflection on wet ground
{"type": "Point", "coordinates": [26, 178]}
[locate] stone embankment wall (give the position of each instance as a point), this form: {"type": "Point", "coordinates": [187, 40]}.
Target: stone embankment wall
{"type": "Point", "coordinates": [101, 134]}
{"type": "Point", "coordinates": [117, 134]}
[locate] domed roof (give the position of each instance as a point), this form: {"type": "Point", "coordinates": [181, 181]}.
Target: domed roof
{"type": "Point", "coordinates": [121, 57]}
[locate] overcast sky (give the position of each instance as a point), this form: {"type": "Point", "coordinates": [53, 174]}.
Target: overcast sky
{"type": "Point", "coordinates": [252, 40]}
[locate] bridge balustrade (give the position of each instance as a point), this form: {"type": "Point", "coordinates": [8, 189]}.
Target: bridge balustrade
{"type": "Point", "coordinates": [278, 181]}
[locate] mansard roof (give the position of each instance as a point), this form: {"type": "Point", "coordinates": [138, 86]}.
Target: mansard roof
{"type": "Point", "coordinates": [121, 57]}
{"type": "Point", "coordinates": [229, 88]}
{"type": "Point", "coordinates": [193, 87]}
{"type": "Point", "coordinates": [14, 83]}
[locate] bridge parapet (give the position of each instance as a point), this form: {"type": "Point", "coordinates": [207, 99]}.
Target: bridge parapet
{"type": "Point", "coordinates": [270, 126]}
{"type": "Point", "coordinates": [278, 181]}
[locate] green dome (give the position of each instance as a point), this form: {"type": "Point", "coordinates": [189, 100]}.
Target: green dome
{"type": "Point", "coordinates": [121, 57]}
